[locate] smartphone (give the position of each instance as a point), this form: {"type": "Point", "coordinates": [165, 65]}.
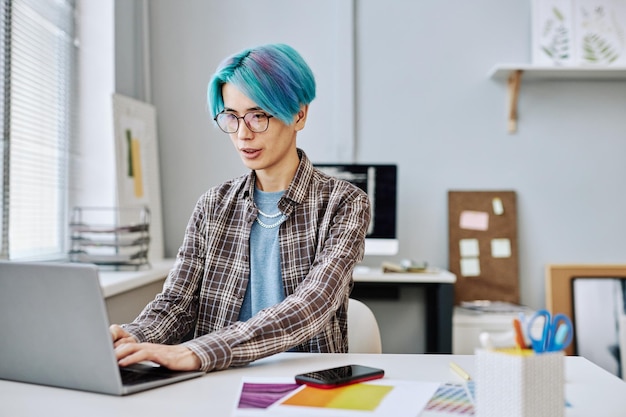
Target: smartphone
{"type": "Point", "coordinates": [342, 375]}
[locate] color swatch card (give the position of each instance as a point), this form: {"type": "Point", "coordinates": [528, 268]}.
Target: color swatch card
{"type": "Point", "coordinates": [451, 400]}
{"type": "Point", "coordinates": [382, 397]}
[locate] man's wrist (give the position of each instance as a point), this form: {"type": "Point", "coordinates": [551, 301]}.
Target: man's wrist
{"type": "Point", "coordinates": [193, 359]}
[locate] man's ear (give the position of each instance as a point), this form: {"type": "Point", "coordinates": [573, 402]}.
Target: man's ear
{"type": "Point", "coordinates": [300, 118]}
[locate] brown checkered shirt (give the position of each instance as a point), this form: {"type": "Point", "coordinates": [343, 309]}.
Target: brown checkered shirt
{"type": "Point", "coordinates": [321, 240]}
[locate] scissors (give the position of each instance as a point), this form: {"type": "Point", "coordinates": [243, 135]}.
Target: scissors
{"type": "Point", "coordinates": [556, 332]}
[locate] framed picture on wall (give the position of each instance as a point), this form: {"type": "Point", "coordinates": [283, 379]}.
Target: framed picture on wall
{"type": "Point", "coordinates": [137, 164]}
{"type": "Point", "coordinates": [578, 32]}
{"type": "Point", "coordinates": [552, 33]}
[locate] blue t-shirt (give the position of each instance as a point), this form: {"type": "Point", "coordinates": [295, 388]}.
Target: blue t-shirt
{"type": "Point", "coordinates": [265, 286]}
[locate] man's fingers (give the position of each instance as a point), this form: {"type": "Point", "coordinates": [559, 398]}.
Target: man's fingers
{"type": "Point", "coordinates": [130, 353]}
{"type": "Point", "coordinates": [120, 336]}
{"type": "Point", "coordinates": [175, 357]}
{"type": "Point", "coordinates": [124, 341]}
{"type": "Point", "coordinates": [116, 332]}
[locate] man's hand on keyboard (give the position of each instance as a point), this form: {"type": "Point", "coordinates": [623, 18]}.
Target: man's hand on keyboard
{"type": "Point", "coordinates": [120, 336]}
{"type": "Point", "coordinates": [174, 357]}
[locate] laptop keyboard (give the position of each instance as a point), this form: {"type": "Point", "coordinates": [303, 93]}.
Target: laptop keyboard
{"type": "Point", "coordinates": [138, 374]}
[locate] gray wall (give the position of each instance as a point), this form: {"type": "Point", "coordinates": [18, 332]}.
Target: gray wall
{"type": "Point", "coordinates": [423, 65]}
{"type": "Point", "coordinates": [188, 40]}
{"type": "Point", "coordinates": [566, 162]}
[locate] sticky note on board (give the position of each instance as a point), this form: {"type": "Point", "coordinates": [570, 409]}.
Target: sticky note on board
{"type": "Point", "coordinates": [469, 248]}
{"type": "Point", "coordinates": [474, 220]}
{"type": "Point", "coordinates": [470, 267]}
{"type": "Point", "coordinates": [501, 248]}
{"type": "Point", "coordinates": [498, 207]}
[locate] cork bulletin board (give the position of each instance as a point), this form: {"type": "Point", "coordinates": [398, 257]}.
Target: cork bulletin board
{"type": "Point", "coordinates": [483, 255]}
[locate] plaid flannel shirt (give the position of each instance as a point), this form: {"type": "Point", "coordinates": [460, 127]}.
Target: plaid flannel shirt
{"type": "Point", "coordinates": [321, 240]}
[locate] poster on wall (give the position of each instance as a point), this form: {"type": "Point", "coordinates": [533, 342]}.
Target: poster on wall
{"type": "Point", "coordinates": [575, 33]}
{"type": "Point", "coordinates": [137, 167]}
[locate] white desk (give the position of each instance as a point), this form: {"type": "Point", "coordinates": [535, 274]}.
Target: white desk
{"type": "Point", "coordinates": [117, 282]}
{"type": "Point", "coordinates": [591, 390]}
{"type": "Point", "coordinates": [127, 292]}
{"type": "Point", "coordinates": [438, 285]}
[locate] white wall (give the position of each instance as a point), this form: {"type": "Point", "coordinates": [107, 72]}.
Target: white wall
{"type": "Point", "coordinates": [426, 64]}
{"type": "Point", "coordinates": [566, 162]}
{"type": "Point", "coordinates": [95, 147]}
{"type": "Point", "coordinates": [190, 38]}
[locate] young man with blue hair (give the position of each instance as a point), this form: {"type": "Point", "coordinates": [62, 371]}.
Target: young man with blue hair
{"type": "Point", "coordinates": [267, 258]}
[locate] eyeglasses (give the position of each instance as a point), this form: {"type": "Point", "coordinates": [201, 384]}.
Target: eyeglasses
{"type": "Point", "coordinates": [257, 121]}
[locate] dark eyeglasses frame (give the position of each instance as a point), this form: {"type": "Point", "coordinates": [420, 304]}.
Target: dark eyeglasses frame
{"type": "Point", "coordinates": [269, 116]}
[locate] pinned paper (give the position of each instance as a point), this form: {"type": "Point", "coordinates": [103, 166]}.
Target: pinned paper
{"type": "Point", "coordinates": [470, 267]}
{"type": "Point", "coordinates": [474, 220]}
{"type": "Point", "coordinates": [469, 248]}
{"type": "Point", "coordinates": [501, 248]}
{"type": "Point", "coordinates": [498, 208]}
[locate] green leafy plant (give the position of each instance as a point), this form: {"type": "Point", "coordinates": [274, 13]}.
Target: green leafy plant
{"type": "Point", "coordinates": [559, 45]}
{"type": "Point", "coordinates": [598, 50]}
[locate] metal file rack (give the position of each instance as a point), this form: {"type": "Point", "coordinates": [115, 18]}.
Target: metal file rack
{"type": "Point", "coordinates": [113, 237]}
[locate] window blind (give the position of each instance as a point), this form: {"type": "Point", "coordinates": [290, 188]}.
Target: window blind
{"type": "Point", "coordinates": [39, 78]}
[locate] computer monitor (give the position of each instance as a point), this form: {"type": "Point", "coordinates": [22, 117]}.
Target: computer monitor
{"type": "Point", "coordinates": [379, 181]}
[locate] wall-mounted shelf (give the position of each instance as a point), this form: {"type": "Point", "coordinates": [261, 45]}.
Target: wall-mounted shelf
{"type": "Point", "coordinates": [512, 74]}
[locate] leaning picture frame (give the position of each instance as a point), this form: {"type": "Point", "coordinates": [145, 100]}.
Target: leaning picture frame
{"type": "Point", "coordinates": [592, 295]}
{"type": "Point", "coordinates": [137, 164]}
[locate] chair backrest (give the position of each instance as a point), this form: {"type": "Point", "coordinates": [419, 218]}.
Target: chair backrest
{"type": "Point", "coordinates": [363, 331]}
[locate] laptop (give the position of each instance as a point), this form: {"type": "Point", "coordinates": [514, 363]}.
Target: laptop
{"type": "Point", "coordinates": [55, 331]}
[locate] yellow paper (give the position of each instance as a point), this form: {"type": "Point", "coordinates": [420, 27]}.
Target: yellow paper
{"type": "Point", "coordinates": [135, 152]}
{"type": "Point", "coordinates": [516, 351]}
{"type": "Point", "coordinates": [361, 397]}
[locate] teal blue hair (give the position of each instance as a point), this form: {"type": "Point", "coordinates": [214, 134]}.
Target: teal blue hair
{"type": "Point", "coordinates": [274, 76]}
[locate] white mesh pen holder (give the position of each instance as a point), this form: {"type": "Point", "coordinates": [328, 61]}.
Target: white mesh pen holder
{"type": "Point", "coordinates": [514, 384]}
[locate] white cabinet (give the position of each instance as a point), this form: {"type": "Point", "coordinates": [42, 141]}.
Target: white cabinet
{"type": "Point", "coordinates": [468, 325]}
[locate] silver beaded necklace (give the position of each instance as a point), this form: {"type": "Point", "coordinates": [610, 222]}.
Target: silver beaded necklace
{"type": "Point", "coordinates": [271, 216]}
{"type": "Point", "coordinates": [268, 201]}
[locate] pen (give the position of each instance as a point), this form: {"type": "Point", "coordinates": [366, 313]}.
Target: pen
{"type": "Point", "coordinates": [459, 371]}
{"type": "Point", "coordinates": [519, 334]}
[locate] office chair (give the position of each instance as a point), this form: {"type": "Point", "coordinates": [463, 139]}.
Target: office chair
{"type": "Point", "coordinates": [363, 332]}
